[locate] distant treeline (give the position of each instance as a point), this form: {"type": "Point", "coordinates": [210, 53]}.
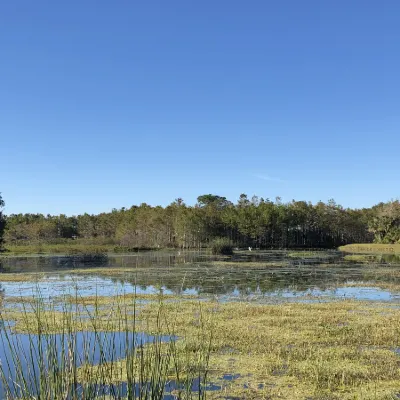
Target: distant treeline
{"type": "Point", "coordinates": [255, 222]}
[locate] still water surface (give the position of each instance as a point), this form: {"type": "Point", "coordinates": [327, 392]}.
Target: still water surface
{"type": "Point", "coordinates": [264, 276]}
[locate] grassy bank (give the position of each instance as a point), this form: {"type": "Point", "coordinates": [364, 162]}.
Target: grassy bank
{"type": "Point", "coordinates": [371, 248]}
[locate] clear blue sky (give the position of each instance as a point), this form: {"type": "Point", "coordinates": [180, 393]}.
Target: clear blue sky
{"type": "Point", "coordinates": [111, 103]}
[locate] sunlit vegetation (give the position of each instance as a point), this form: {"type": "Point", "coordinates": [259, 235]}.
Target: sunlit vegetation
{"type": "Point", "coordinates": [218, 318]}
{"type": "Point", "coordinates": [64, 354]}
{"type": "Point", "coordinates": [336, 350]}
{"type": "Point", "coordinates": [304, 254]}
{"type": "Point", "coordinates": [371, 248]}
{"type": "Point", "coordinates": [2, 222]}
{"type": "Point", "coordinates": [255, 222]}
{"type": "Point", "coordinates": [332, 349]}
{"type": "Point", "coordinates": [385, 222]}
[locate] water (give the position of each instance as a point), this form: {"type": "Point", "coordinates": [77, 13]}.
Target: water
{"type": "Point", "coordinates": [88, 348]}
{"type": "Point", "coordinates": [265, 276]}
{"type": "Point", "coordinates": [99, 346]}
{"type": "Point", "coordinates": [53, 286]}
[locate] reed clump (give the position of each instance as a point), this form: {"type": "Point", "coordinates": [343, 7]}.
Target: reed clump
{"type": "Point", "coordinates": [75, 352]}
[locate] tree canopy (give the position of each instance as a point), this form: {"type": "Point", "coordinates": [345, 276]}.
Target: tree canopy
{"type": "Point", "coordinates": [2, 221]}
{"type": "Point", "coordinates": [385, 222]}
{"type": "Point", "coordinates": [254, 221]}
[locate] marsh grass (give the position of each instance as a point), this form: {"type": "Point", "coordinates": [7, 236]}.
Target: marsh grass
{"type": "Point", "coordinates": [91, 353]}
{"type": "Point", "coordinates": [335, 350]}
{"type": "Point", "coordinates": [360, 258]}
{"type": "Point", "coordinates": [338, 350]}
{"type": "Point", "coordinates": [376, 248]}
{"type": "Point", "coordinates": [245, 264]}
{"type": "Point", "coordinates": [306, 254]}
{"type": "Point", "coordinates": [21, 277]}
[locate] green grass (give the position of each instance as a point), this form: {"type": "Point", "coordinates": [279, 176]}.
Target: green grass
{"type": "Point", "coordinates": [374, 248]}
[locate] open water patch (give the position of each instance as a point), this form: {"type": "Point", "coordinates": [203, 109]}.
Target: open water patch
{"type": "Point", "coordinates": [22, 353]}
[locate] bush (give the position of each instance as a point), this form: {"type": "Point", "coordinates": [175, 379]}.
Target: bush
{"type": "Point", "coordinates": [222, 246]}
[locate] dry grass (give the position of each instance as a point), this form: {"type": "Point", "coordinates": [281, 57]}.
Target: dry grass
{"type": "Point", "coordinates": [21, 277]}
{"type": "Point", "coordinates": [360, 258]}
{"type": "Point", "coordinates": [371, 248]}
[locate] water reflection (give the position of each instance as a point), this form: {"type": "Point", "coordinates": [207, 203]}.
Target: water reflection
{"type": "Point", "coordinates": [138, 260]}
{"type": "Point", "coordinates": [255, 275]}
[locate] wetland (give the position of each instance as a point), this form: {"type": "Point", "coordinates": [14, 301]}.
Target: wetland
{"type": "Point", "coordinates": [259, 324]}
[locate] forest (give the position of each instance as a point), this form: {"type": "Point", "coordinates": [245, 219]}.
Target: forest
{"type": "Point", "coordinates": [255, 222]}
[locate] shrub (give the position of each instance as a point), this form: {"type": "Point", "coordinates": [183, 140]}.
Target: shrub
{"type": "Point", "coordinates": [222, 246]}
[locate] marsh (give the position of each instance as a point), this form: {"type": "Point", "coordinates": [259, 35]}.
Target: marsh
{"type": "Point", "coordinates": [284, 324]}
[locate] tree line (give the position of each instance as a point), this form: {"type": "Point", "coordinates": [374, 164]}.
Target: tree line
{"type": "Point", "coordinates": [255, 222]}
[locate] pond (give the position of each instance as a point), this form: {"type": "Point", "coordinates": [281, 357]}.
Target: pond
{"type": "Point", "coordinates": [264, 276]}
{"type": "Point", "coordinates": [361, 290]}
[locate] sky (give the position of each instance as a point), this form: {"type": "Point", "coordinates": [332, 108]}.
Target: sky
{"type": "Point", "coordinates": [106, 104]}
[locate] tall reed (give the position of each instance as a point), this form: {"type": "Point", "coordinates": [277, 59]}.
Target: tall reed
{"type": "Point", "coordinates": [75, 353]}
